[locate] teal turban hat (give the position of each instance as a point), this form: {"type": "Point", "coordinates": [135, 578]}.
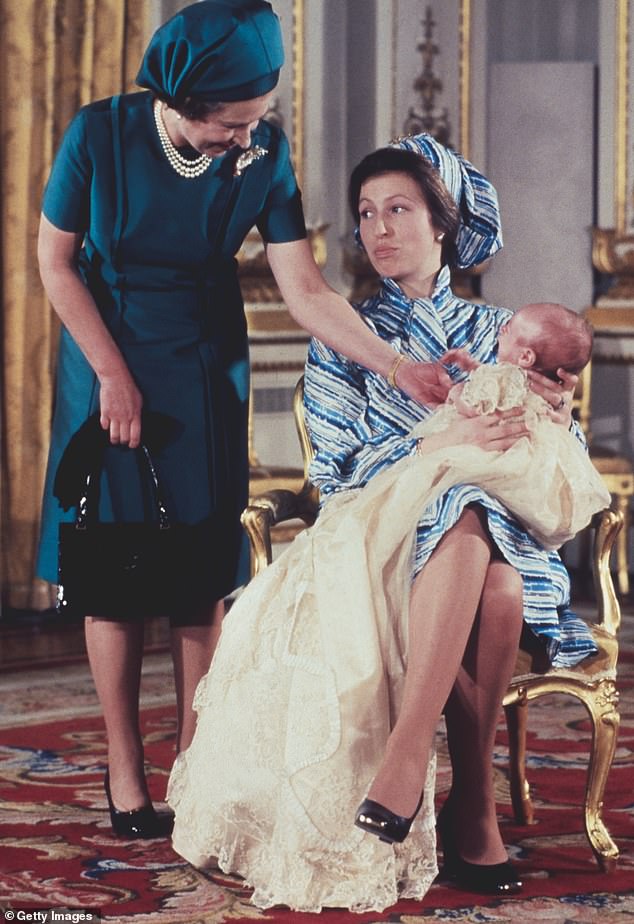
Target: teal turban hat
{"type": "Point", "coordinates": [480, 232]}
{"type": "Point", "coordinates": [215, 50]}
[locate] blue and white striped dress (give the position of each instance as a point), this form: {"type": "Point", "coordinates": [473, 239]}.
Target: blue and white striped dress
{"type": "Point", "coordinates": [359, 426]}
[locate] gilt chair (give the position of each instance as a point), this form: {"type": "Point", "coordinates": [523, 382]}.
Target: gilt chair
{"type": "Point", "coordinates": [617, 472]}
{"type": "Point", "coordinates": [593, 682]}
{"type": "Point", "coordinates": [282, 481]}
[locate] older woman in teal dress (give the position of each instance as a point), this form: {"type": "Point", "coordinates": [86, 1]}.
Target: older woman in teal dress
{"type": "Point", "coordinates": [149, 199]}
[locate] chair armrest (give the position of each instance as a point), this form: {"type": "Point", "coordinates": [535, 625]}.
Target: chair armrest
{"type": "Point", "coordinates": [273, 507]}
{"type": "Point", "coordinates": [607, 525]}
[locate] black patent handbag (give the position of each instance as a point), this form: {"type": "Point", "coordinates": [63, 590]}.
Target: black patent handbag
{"type": "Point", "coordinates": [128, 570]}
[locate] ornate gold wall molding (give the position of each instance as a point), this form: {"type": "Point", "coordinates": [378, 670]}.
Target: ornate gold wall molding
{"type": "Point", "coordinates": [613, 254]}
{"type": "Point", "coordinates": [430, 117]}
{"type": "Point", "coordinates": [428, 85]}
{"type": "Point", "coordinates": [297, 136]}
{"type": "Point", "coordinates": [621, 128]}
{"type": "Point", "coordinates": [613, 248]}
{"type": "Point", "coordinates": [464, 80]}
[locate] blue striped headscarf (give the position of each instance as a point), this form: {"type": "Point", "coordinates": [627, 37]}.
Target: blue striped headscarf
{"type": "Point", "coordinates": [480, 233]}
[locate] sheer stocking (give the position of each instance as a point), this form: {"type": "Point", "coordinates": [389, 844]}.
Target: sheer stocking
{"type": "Point", "coordinates": [442, 611]}
{"type": "Point", "coordinates": [451, 620]}
{"type": "Point", "coordinates": [115, 653]}
{"type": "Point", "coordinates": [473, 710]}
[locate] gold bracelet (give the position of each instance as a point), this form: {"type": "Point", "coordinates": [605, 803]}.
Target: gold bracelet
{"type": "Point", "coordinates": [391, 376]}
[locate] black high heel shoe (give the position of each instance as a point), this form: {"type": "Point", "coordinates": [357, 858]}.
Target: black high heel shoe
{"type": "Point", "coordinates": [389, 827]}
{"type": "Point", "coordinates": [487, 879]}
{"type": "Point", "coordinates": [139, 823]}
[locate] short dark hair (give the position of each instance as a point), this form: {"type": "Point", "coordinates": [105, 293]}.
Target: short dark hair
{"type": "Point", "coordinates": [195, 109]}
{"type": "Point", "coordinates": [445, 215]}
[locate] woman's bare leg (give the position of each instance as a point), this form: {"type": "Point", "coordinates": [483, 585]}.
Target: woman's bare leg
{"type": "Point", "coordinates": [473, 711]}
{"type": "Point", "coordinates": [115, 653]}
{"type": "Point", "coordinates": [192, 651]}
{"type": "Point", "coordinates": [444, 602]}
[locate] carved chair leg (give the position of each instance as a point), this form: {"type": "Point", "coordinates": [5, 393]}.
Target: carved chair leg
{"type": "Point", "coordinates": [605, 723]}
{"type": "Point", "coordinates": [621, 504]}
{"type": "Point", "coordinates": [516, 721]}
{"type": "Point", "coordinates": [256, 522]}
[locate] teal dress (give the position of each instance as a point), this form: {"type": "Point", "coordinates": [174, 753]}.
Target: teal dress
{"type": "Point", "coordinates": [159, 259]}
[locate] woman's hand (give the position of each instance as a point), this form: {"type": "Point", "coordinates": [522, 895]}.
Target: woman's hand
{"type": "Point", "coordinates": [121, 403]}
{"type": "Point", "coordinates": [558, 395]}
{"type": "Point", "coordinates": [491, 432]}
{"type": "Point", "coordinates": [427, 383]}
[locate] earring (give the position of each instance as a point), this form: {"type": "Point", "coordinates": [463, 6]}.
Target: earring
{"type": "Point", "coordinates": [440, 236]}
{"type": "Point", "coordinates": [357, 239]}
{"type": "Point", "coordinates": [178, 115]}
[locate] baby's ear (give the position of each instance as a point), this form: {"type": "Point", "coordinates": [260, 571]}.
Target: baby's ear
{"type": "Point", "coordinates": [526, 358]}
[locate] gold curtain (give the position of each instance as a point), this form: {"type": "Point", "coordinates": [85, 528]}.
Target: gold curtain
{"type": "Point", "coordinates": [55, 56]}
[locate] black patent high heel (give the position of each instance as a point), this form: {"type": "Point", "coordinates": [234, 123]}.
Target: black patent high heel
{"type": "Point", "coordinates": [388, 826]}
{"type": "Point", "coordinates": [139, 823]}
{"type": "Point", "coordinates": [487, 879]}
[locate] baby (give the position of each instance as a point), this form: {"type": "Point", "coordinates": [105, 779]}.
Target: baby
{"type": "Point", "coordinates": [546, 337]}
{"type": "Point", "coordinates": [547, 481]}
{"type": "Point", "coordinates": [541, 336]}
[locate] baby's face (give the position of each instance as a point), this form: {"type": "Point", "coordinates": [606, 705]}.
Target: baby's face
{"type": "Point", "coordinates": [513, 337]}
{"type": "Point", "coordinates": [517, 338]}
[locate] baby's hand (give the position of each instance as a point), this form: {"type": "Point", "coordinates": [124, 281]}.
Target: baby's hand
{"type": "Point", "coordinates": [461, 358]}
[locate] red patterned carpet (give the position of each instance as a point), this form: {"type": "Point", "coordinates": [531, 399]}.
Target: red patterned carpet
{"type": "Point", "coordinates": [56, 848]}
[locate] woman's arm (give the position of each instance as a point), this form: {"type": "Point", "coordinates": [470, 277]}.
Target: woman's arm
{"type": "Point", "coordinates": [120, 399]}
{"type": "Point", "coordinates": [350, 418]}
{"type": "Point", "coordinates": [330, 318]}
{"type": "Point", "coordinates": [495, 432]}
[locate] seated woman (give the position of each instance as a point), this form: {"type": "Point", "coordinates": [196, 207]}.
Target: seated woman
{"type": "Point", "coordinates": [333, 669]}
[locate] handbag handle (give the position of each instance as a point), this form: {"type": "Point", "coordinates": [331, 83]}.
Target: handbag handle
{"type": "Point", "coordinates": [90, 490]}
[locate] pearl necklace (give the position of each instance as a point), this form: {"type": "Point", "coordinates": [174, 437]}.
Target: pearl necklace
{"type": "Point", "coordinates": [182, 165]}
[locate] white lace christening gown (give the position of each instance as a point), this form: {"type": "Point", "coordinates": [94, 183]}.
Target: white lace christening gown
{"type": "Point", "coordinates": [548, 481]}
{"type": "Point", "coordinates": [295, 711]}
